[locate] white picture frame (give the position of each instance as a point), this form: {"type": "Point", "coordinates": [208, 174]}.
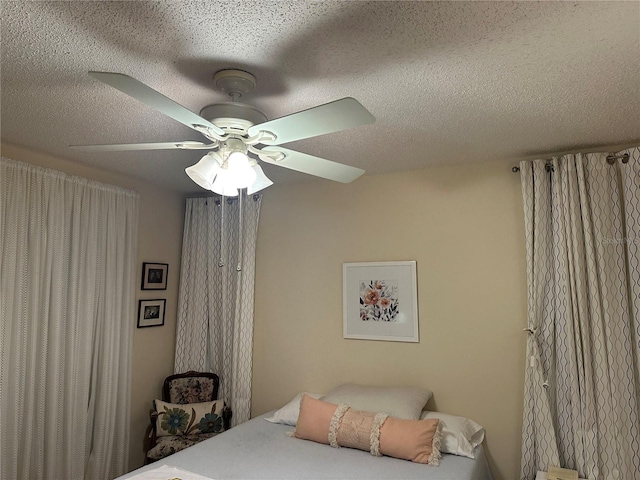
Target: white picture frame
{"type": "Point", "coordinates": [380, 301]}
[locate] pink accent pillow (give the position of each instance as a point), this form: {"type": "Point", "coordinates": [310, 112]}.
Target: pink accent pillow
{"type": "Point", "coordinates": [415, 440]}
{"type": "Point", "coordinates": [409, 439]}
{"type": "Point", "coordinates": [314, 419]}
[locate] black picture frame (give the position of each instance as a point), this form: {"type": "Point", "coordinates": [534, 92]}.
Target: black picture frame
{"type": "Point", "coordinates": [154, 276]}
{"type": "Point", "coordinates": [151, 313]}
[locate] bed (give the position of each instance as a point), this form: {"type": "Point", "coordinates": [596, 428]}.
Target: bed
{"type": "Point", "coordinates": [389, 434]}
{"type": "Point", "coordinates": [259, 449]}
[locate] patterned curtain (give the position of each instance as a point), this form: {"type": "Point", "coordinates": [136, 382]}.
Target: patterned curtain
{"type": "Point", "coordinates": [67, 310]}
{"type": "Point", "coordinates": [215, 305]}
{"type": "Point", "coordinates": [582, 382]}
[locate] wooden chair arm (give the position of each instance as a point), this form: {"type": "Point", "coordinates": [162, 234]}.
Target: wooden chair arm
{"type": "Point", "coordinates": [153, 416]}
{"type": "Point", "coordinates": [150, 434]}
{"type": "Point", "coordinates": [227, 413]}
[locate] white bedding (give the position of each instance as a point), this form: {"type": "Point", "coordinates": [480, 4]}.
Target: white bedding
{"type": "Point", "coordinates": [262, 450]}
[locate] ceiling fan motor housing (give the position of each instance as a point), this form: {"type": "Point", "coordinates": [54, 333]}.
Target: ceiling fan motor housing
{"type": "Point", "coordinates": [233, 115]}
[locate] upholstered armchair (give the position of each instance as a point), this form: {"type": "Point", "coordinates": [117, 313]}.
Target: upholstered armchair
{"type": "Point", "coordinates": [188, 413]}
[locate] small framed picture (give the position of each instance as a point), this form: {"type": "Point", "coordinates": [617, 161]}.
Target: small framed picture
{"type": "Point", "coordinates": [380, 301]}
{"type": "Point", "coordinates": [151, 313]}
{"type": "Point", "coordinates": [154, 276]}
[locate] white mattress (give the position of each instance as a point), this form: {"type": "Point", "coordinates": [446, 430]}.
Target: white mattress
{"type": "Point", "coordinates": [262, 450]}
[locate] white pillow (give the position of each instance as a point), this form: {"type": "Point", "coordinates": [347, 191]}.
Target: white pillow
{"type": "Point", "coordinates": [460, 435]}
{"type": "Point", "coordinates": [400, 402]}
{"type": "Point", "coordinates": [288, 415]}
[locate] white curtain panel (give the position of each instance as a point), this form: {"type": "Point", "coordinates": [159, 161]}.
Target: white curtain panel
{"type": "Point", "coordinates": [67, 307]}
{"type": "Point", "coordinates": [216, 298]}
{"type": "Point", "coordinates": [582, 382]}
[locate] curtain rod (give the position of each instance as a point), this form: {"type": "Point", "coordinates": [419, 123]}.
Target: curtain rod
{"type": "Point", "coordinates": [611, 159]}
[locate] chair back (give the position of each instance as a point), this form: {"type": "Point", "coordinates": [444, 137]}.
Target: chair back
{"type": "Point", "coordinates": [191, 387]}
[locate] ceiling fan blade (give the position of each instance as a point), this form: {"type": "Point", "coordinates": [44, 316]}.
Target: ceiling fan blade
{"type": "Point", "coordinates": [328, 118]}
{"type": "Point", "coordinates": [152, 98]}
{"type": "Point", "coordinates": [302, 162]}
{"type": "Point", "coordinates": [120, 147]}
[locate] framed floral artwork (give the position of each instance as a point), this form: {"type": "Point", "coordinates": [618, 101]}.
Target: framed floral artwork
{"type": "Point", "coordinates": [380, 301]}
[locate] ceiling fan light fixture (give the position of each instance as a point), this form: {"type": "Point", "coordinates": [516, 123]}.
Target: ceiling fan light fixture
{"type": "Point", "coordinates": [239, 172]}
{"type": "Point", "coordinates": [223, 186]}
{"type": "Point", "coordinates": [261, 182]}
{"type": "Point", "coordinates": [204, 172]}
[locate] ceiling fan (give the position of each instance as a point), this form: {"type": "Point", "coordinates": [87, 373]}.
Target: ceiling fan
{"type": "Point", "coordinates": [240, 135]}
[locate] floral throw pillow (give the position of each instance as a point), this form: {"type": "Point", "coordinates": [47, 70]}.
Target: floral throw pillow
{"type": "Point", "coordinates": [188, 418]}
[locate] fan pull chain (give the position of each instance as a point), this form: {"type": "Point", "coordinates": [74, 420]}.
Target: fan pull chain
{"type": "Point", "coordinates": [240, 239]}
{"type": "Point", "coordinates": [221, 262]}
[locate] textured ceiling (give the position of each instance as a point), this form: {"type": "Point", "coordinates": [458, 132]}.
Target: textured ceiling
{"type": "Point", "coordinates": [448, 82]}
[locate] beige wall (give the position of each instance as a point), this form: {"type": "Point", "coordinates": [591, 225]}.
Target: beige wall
{"type": "Point", "coordinates": [160, 240]}
{"type": "Point", "coordinates": [464, 227]}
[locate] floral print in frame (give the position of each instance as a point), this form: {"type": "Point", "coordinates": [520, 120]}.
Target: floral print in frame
{"type": "Point", "coordinates": [380, 301]}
